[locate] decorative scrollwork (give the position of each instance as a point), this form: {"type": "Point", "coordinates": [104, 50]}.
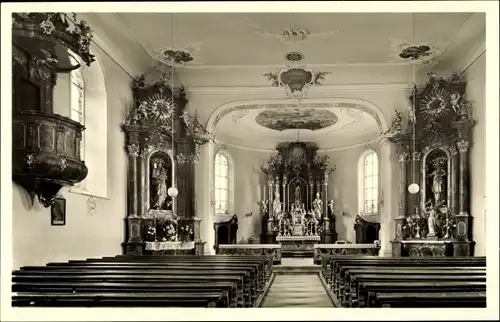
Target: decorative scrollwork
{"type": "Point", "coordinates": [30, 160]}
{"type": "Point", "coordinates": [133, 149]}
{"type": "Point", "coordinates": [403, 156]}
{"type": "Point", "coordinates": [63, 164]}
{"type": "Point", "coordinates": [463, 146]}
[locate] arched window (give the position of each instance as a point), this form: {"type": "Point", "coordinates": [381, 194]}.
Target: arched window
{"type": "Point", "coordinates": [77, 108]}
{"type": "Point", "coordinates": [77, 102]}
{"type": "Point", "coordinates": [221, 184]}
{"type": "Point", "coordinates": [368, 183]}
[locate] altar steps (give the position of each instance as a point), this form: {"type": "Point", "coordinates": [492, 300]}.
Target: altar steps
{"type": "Point", "coordinates": [297, 266]}
{"type": "Point", "coordinates": [296, 290]}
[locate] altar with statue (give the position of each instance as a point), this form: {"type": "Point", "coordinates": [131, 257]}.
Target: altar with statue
{"type": "Point", "coordinates": [296, 213]}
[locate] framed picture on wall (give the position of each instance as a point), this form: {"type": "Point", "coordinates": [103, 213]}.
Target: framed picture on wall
{"type": "Point", "coordinates": [58, 212]}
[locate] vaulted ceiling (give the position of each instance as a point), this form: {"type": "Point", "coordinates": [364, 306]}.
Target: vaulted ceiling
{"type": "Point", "coordinates": [235, 49]}
{"type": "Point", "coordinates": [253, 38]}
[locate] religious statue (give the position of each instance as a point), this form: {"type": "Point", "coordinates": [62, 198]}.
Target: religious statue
{"type": "Point", "coordinates": [297, 194]}
{"type": "Point", "coordinates": [160, 175]}
{"type": "Point", "coordinates": [264, 206]}
{"type": "Point", "coordinates": [431, 219]}
{"type": "Point", "coordinates": [331, 204]}
{"type": "Point", "coordinates": [276, 203]}
{"type": "Point", "coordinates": [437, 183]}
{"type": "Point", "coordinates": [318, 206]}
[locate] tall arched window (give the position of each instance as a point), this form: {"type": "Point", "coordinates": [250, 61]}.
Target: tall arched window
{"type": "Point", "coordinates": [77, 107]}
{"type": "Point", "coordinates": [221, 184]}
{"type": "Point", "coordinates": [368, 182]}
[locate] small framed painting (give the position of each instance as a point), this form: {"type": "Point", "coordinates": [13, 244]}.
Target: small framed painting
{"type": "Point", "coordinates": [58, 212]}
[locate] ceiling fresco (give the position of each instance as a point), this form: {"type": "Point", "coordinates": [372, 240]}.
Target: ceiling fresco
{"type": "Point", "coordinates": [291, 119]}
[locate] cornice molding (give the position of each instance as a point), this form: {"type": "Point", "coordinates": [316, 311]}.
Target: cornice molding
{"type": "Point", "coordinates": [470, 59]}
{"type": "Point", "coordinates": [323, 89]}
{"type": "Point", "coordinates": [262, 150]}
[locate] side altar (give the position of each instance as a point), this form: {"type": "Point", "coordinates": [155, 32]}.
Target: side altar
{"type": "Point", "coordinates": [296, 213]}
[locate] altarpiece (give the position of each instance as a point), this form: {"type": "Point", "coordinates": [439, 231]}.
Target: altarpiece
{"type": "Point", "coordinates": [296, 213]}
{"type": "Point", "coordinates": [162, 142]}
{"type": "Point", "coordinates": [433, 151]}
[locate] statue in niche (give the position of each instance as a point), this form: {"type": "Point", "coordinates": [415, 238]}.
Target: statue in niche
{"type": "Point", "coordinates": [159, 183]}
{"type": "Point", "coordinates": [431, 219]}
{"type": "Point", "coordinates": [437, 182]}
{"type": "Point", "coordinates": [318, 206]}
{"type": "Point", "coordinates": [276, 203]}
{"type": "Point", "coordinates": [297, 194]}
{"type": "Point", "coordinates": [161, 188]}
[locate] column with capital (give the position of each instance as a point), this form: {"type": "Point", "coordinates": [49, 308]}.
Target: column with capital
{"type": "Point", "coordinates": [134, 242]}
{"type": "Point", "coordinates": [388, 203]}
{"type": "Point", "coordinates": [403, 183]}
{"type": "Point", "coordinates": [462, 245]}
{"type": "Point", "coordinates": [416, 178]}
{"type": "Point", "coordinates": [453, 181]}
{"type": "Point", "coordinates": [205, 202]}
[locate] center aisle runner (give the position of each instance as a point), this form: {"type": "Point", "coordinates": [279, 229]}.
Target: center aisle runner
{"type": "Point", "coordinates": [301, 290]}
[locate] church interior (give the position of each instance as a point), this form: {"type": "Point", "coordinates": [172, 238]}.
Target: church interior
{"type": "Point", "coordinates": [332, 159]}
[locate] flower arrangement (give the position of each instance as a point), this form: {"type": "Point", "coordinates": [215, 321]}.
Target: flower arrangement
{"type": "Point", "coordinates": [186, 233]}
{"type": "Point", "coordinates": [166, 230]}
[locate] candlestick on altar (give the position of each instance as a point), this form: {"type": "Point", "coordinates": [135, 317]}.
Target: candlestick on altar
{"type": "Point", "coordinates": [154, 225]}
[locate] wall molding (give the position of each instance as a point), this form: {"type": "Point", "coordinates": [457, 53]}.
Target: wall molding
{"type": "Point", "coordinates": [322, 89]}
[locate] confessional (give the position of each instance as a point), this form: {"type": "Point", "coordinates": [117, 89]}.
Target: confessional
{"type": "Point", "coordinates": [226, 231]}
{"type": "Point", "coordinates": [367, 230]}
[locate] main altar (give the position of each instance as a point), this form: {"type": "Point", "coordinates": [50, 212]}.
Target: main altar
{"type": "Point", "coordinates": [296, 213]}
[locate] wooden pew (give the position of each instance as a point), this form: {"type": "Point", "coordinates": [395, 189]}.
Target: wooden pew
{"type": "Point", "coordinates": [433, 300]}
{"type": "Point", "coordinates": [251, 291]}
{"type": "Point", "coordinates": [164, 299]}
{"type": "Point", "coordinates": [369, 290]}
{"type": "Point", "coordinates": [350, 296]}
{"type": "Point", "coordinates": [349, 275]}
{"type": "Point", "coordinates": [125, 275]}
{"type": "Point", "coordinates": [237, 277]}
{"type": "Point", "coordinates": [339, 262]}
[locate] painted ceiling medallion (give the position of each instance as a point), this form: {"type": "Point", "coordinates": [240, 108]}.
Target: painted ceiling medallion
{"type": "Point", "coordinates": [177, 56]}
{"type": "Point", "coordinates": [296, 80]}
{"type": "Point", "coordinates": [425, 52]}
{"type": "Point", "coordinates": [292, 119]}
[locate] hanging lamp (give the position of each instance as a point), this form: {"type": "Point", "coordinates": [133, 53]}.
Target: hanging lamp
{"type": "Point", "coordinates": [173, 191]}
{"type": "Point", "coordinates": [414, 187]}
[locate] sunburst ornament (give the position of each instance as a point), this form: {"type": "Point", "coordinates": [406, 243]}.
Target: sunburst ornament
{"type": "Point", "coordinates": [435, 104]}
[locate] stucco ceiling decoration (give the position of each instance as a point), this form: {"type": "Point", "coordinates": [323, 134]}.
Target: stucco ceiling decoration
{"type": "Point", "coordinates": [178, 56]}
{"type": "Point", "coordinates": [296, 79]}
{"type": "Point", "coordinates": [291, 33]}
{"type": "Point", "coordinates": [331, 125]}
{"type": "Point", "coordinates": [431, 51]}
{"type": "Point", "coordinates": [267, 36]}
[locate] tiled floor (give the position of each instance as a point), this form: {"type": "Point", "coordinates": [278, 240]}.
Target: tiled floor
{"type": "Point", "coordinates": [304, 290]}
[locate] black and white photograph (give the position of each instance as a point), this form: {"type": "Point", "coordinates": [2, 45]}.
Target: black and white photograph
{"type": "Point", "coordinates": [340, 155]}
{"type": "Point", "coordinates": [58, 212]}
